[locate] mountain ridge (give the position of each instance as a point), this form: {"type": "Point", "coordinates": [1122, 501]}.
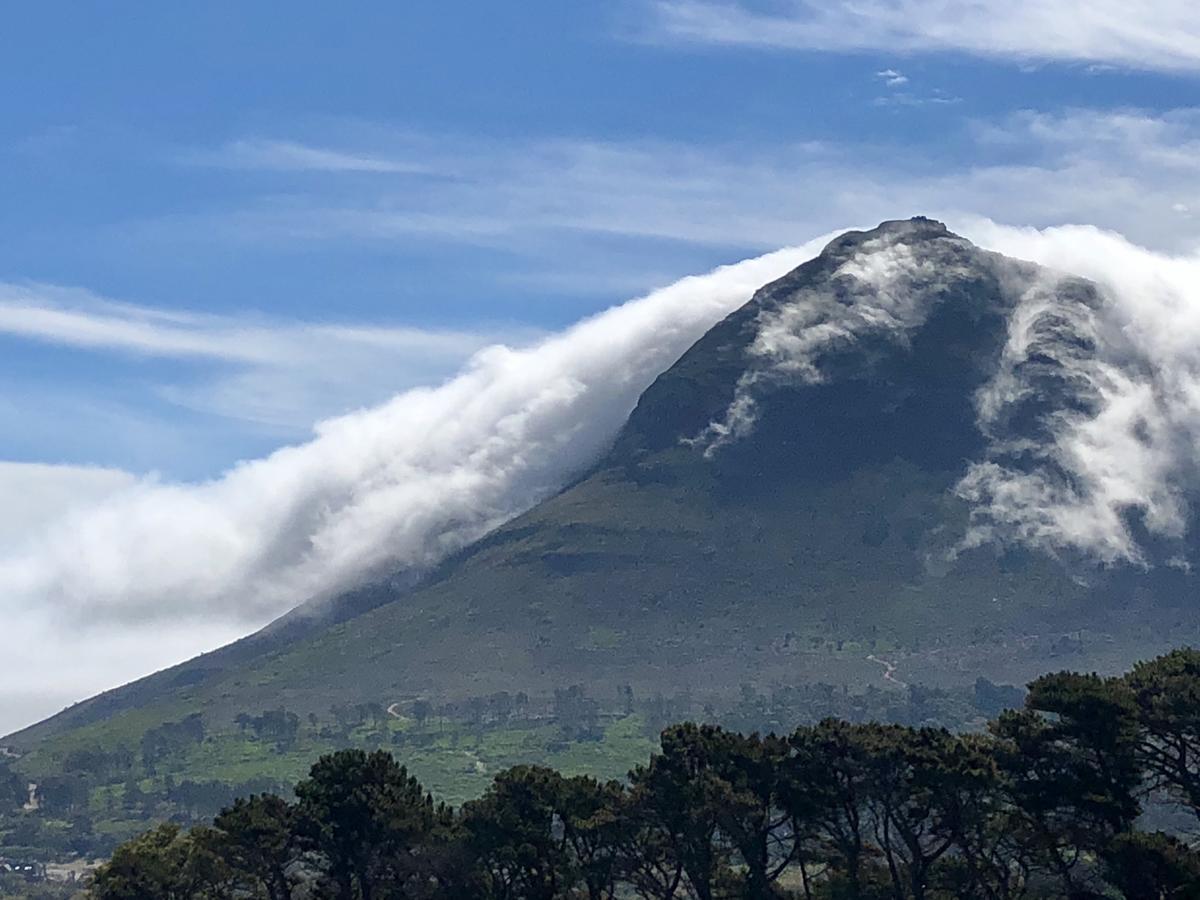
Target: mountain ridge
{"type": "Point", "coordinates": [798, 471]}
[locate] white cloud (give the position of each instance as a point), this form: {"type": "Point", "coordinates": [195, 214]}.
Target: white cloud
{"type": "Point", "coordinates": [403, 484]}
{"type": "Point", "coordinates": [1130, 446]}
{"type": "Point", "coordinates": [400, 485]}
{"type": "Point", "coordinates": [290, 156]}
{"type": "Point", "coordinates": [1093, 416]}
{"type": "Point", "coordinates": [79, 318]}
{"type": "Point", "coordinates": [259, 369]}
{"type": "Point", "coordinates": [49, 665]}
{"type": "Point", "coordinates": [883, 289]}
{"type": "Point", "coordinates": [36, 494]}
{"type": "Point", "coordinates": [892, 78]}
{"type": "Point", "coordinates": [1154, 34]}
{"type": "Point", "coordinates": [532, 197]}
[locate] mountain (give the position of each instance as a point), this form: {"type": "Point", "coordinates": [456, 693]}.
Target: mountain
{"type": "Point", "coordinates": [865, 467]}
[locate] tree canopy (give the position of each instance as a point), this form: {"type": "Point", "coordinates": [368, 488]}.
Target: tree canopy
{"type": "Point", "coordinates": [1048, 802]}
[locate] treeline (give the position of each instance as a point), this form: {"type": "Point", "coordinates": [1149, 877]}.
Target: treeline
{"type": "Point", "coordinates": [1048, 802]}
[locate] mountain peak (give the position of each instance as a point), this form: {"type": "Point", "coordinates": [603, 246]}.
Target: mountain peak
{"type": "Point", "coordinates": [918, 228]}
{"type": "Point", "coordinates": [885, 305]}
{"type": "Point", "coordinates": [889, 445]}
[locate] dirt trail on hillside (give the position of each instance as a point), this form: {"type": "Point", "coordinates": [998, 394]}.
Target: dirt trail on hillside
{"type": "Point", "coordinates": [889, 670]}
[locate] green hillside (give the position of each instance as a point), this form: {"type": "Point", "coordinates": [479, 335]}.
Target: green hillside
{"type": "Point", "coordinates": [813, 550]}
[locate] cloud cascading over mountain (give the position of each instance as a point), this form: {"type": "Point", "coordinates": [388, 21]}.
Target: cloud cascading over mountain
{"type": "Point", "coordinates": [1091, 414]}
{"type": "Point", "coordinates": [402, 485]}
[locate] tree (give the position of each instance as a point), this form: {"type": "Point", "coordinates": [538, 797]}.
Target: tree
{"type": "Point", "coordinates": [991, 699]}
{"type": "Point", "coordinates": [132, 796]}
{"type": "Point", "coordinates": [589, 812]}
{"type": "Point", "coordinates": [169, 739]}
{"type": "Point", "coordinates": [511, 834]}
{"type": "Point", "coordinates": [927, 791]}
{"type": "Point", "coordinates": [63, 795]}
{"type": "Point", "coordinates": [276, 725]}
{"type": "Point", "coordinates": [164, 864]}
{"type": "Point", "coordinates": [367, 818]}
{"type": "Point", "coordinates": [256, 837]}
{"type": "Point", "coordinates": [1166, 697]}
{"type": "Point", "coordinates": [676, 823]}
{"type": "Point", "coordinates": [745, 785]}
{"type": "Point", "coordinates": [13, 792]}
{"type": "Point", "coordinates": [827, 791]}
{"type": "Point", "coordinates": [421, 711]}
{"type": "Point", "coordinates": [1046, 805]}
{"type": "Point", "coordinates": [576, 713]}
{"type": "Point", "coordinates": [1071, 774]}
{"type": "Point", "coordinates": [1152, 867]}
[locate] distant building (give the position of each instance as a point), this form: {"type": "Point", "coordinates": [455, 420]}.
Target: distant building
{"type": "Point", "coordinates": [30, 870]}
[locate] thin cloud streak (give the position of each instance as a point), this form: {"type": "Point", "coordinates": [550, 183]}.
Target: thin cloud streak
{"type": "Point", "coordinates": [1155, 34]}
{"type": "Point", "coordinates": [261, 370]}
{"type": "Point", "coordinates": [290, 156]}
{"type": "Point", "coordinates": [528, 198]}
{"type": "Point", "coordinates": [78, 318]}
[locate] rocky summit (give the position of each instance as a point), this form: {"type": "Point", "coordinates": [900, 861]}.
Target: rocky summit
{"type": "Point", "coordinates": [874, 474]}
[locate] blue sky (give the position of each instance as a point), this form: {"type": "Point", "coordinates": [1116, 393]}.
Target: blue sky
{"type": "Point", "coordinates": [226, 222]}
{"type": "Point", "coordinates": [473, 167]}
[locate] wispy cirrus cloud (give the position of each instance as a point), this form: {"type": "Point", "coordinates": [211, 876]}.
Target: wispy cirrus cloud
{"type": "Point", "coordinates": [80, 318]}
{"type": "Point", "coordinates": [291, 156]}
{"type": "Point", "coordinates": [531, 196]}
{"type": "Point", "coordinates": [1155, 34]}
{"type": "Point", "coordinates": [256, 368]}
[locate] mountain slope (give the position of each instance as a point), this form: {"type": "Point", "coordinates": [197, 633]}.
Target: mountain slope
{"type": "Point", "coordinates": [827, 475]}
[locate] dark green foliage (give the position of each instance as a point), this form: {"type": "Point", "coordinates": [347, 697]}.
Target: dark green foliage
{"type": "Point", "coordinates": [1044, 805]}
{"type": "Point", "coordinates": [276, 725]}
{"type": "Point", "coordinates": [746, 782]}
{"type": "Point", "coordinates": [164, 864]}
{"type": "Point", "coordinates": [590, 814]}
{"type": "Point", "coordinates": [577, 714]}
{"type": "Point", "coordinates": [13, 793]}
{"type": "Point", "coordinates": [1153, 867]}
{"type": "Point", "coordinates": [96, 763]}
{"type": "Point", "coordinates": [204, 799]}
{"type": "Point", "coordinates": [670, 804]}
{"type": "Point", "coordinates": [368, 821]}
{"type": "Point", "coordinates": [170, 739]}
{"type": "Point", "coordinates": [512, 836]}
{"type": "Point", "coordinates": [827, 792]}
{"type": "Point", "coordinates": [258, 838]}
{"type": "Point", "coordinates": [1071, 771]}
{"type": "Point", "coordinates": [1166, 694]}
{"type": "Point", "coordinates": [992, 699]}
{"type": "Point", "coordinates": [63, 795]}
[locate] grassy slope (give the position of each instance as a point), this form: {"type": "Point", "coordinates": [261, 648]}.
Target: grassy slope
{"type": "Point", "coordinates": [791, 557]}
{"type": "Point", "coordinates": [546, 602]}
{"type": "Point", "coordinates": [453, 761]}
